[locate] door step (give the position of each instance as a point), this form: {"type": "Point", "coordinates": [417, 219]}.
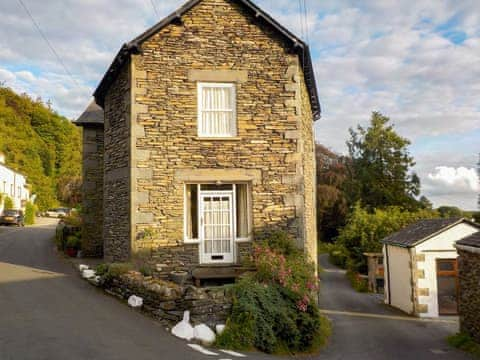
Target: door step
{"type": "Point", "coordinates": [218, 273]}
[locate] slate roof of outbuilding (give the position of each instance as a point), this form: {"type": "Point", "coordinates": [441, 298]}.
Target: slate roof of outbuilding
{"type": "Point", "coordinates": [134, 47]}
{"type": "Point", "coordinates": [472, 240]}
{"type": "Point", "coordinates": [422, 230]}
{"type": "Point", "coordinates": [92, 116]}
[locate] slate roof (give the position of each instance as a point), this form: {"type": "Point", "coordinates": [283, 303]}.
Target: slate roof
{"type": "Point", "coordinates": [134, 47]}
{"type": "Point", "coordinates": [422, 230]}
{"type": "Point", "coordinates": [92, 116]}
{"type": "Point", "coordinates": [472, 240]}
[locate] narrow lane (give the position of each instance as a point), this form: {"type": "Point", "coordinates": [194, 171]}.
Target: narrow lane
{"type": "Point", "coordinates": [377, 331]}
{"type": "Point", "coordinates": [48, 312]}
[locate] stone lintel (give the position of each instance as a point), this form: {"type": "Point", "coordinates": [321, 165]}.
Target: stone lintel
{"type": "Point", "coordinates": [214, 175]}
{"type": "Point", "coordinates": [239, 76]}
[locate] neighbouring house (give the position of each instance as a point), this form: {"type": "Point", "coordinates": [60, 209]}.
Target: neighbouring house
{"type": "Point", "coordinates": [13, 185]}
{"type": "Point", "coordinates": [200, 140]}
{"type": "Point", "coordinates": [469, 285]}
{"type": "Point", "coordinates": [420, 261]}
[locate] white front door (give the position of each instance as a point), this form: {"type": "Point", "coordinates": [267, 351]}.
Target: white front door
{"type": "Point", "coordinates": [216, 227]}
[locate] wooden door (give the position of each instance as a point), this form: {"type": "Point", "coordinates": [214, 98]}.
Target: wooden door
{"type": "Point", "coordinates": [447, 286]}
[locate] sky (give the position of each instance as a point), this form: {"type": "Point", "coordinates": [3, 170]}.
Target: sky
{"type": "Point", "coordinates": [416, 61]}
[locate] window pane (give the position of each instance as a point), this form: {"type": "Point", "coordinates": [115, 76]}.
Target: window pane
{"type": "Point", "coordinates": [446, 265]}
{"type": "Point", "coordinates": [217, 110]}
{"type": "Point", "coordinates": [192, 211]}
{"type": "Point", "coordinates": [242, 210]}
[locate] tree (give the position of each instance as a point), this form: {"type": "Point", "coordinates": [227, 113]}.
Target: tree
{"type": "Point", "coordinates": [365, 230]}
{"type": "Point", "coordinates": [380, 172]}
{"type": "Point", "coordinates": [449, 211]}
{"type": "Point", "coordinates": [332, 204]}
{"type": "Point", "coordinates": [7, 203]}
{"type": "Point", "coordinates": [425, 203]}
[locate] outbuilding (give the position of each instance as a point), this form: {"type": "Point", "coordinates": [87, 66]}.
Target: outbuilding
{"type": "Point", "coordinates": [469, 281]}
{"type": "Point", "coordinates": [421, 270]}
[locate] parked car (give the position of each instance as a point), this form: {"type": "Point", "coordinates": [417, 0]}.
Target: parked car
{"type": "Point", "coordinates": [12, 217]}
{"type": "Point", "coordinates": [56, 213]}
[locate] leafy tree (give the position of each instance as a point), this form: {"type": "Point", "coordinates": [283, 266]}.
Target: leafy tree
{"type": "Point", "coordinates": [365, 230]}
{"type": "Point", "coordinates": [7, 203]}
{"type": "Point", "coordinates": [332, 207]}
{"type": "Point", "coordinates": [425, 203]}
{"type": "Point", "coordinates": [449, 211]}
{"type": "Point", "coordinates": [380, 171]}
{"type": "Point", "coordinates": [40, 144]}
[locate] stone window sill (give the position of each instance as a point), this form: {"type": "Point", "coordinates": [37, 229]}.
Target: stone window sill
{"type": "Point", "coordinates": [233, 138]}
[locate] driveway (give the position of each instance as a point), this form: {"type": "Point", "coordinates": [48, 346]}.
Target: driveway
{"type": "Point", "coordinates": [365, 328]}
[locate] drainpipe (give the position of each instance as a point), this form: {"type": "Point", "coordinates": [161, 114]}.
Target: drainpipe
{"type": "Point", "coordinates": [388, 275]}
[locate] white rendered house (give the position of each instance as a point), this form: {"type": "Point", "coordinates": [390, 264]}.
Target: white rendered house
{"type": "Point", "coordinates": [12, 185]}
{"type": "Point", "coordinates": [421, 270]}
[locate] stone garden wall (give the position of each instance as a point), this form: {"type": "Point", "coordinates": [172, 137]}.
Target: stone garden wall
{"type": "Point", "coordinates": [469, 298]}
{"type": "Point", "coordinates": [167, 301]}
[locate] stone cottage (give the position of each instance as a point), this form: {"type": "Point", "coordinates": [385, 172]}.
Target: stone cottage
{"type": "Point", "coordinates": [200, 139]}
{"type": "Point", "coordinates": [469, 285]}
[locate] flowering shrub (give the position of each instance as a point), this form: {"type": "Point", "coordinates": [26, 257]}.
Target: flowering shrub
{"type": "Point", "coordinates": [274, 310]}
{"type": "Point", "coordinates": [294, 273]}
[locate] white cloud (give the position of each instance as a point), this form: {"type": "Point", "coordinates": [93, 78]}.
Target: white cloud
{"type": "Point", "coordinates": [454, 180]}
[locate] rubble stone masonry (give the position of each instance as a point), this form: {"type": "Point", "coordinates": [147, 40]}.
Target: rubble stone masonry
{"type": "Point", "coordinates": [469, 292]}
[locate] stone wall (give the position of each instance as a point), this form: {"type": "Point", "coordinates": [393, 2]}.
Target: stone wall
{"type": "Point", "coordinates": [167, 301]}
{"type": "Point", "coordinates": [469, 293]}
{"type": "Point", "coordinates": [274, 123]}
{"type": "Point", "coordinates": [92, 191]}
{"type": "Point", "coordinates": [116, 232]}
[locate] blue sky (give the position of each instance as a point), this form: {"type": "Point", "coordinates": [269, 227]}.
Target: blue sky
{"type": "Point", "coordinates": [416, 61]}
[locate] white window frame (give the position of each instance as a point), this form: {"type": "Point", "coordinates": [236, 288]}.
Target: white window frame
{"type": "Point", "coordinates": [236, 239]}
{"type": "Point", "coordinates": [232, 87]}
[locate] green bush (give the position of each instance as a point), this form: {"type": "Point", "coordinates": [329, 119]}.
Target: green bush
{"type": "Point", "coordinates": [30, 210]}
{"type": "Point", "coordinates": [266, 317]}
{"type": "Point", "coordinates": [7, 203]}
{"type": "Point", "coordinates": [275, 309]}
{"type": "Point", "coordinates": [73, 242]}
{"type": "Point", "coordinates": [464, 342]}
{"type": "Point", "coordinates": [364, 230]}
{"type": "Point", "coordinates": [358, 283]}
{"type": "Point", "coordinates": [101, 269]}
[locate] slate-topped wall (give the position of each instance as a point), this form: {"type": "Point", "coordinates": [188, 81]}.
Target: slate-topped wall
{"type": "Point", "coordinates": [469, 293]}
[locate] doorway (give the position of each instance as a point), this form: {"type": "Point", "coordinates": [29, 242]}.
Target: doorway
{"type": "Point", "coordinates": [447, 286]}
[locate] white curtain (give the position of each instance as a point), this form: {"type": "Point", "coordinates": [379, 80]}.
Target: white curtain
{"type": "Point", "coordinates": [217, 111]}
{"type": "Point", "coordinates": [242, 210]}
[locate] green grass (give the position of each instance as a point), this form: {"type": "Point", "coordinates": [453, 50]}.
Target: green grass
{"type": "Point", "coordinates": [464, 342]}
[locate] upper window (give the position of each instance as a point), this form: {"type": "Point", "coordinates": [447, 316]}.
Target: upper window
{"type": "Point", "coordinates": [217, 110]}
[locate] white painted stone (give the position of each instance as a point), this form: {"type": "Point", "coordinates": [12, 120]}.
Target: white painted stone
{"type": "Point", "coordinates": [220, 328]}
{"type": "Point", "coordinates": [87, 274]}
{"type": "Point", "coordinates": [204, 334]}
{"type": "Point", "coordinates": [135, 301]}
{"type": "Point", "coordinates": [82, 267]}
{"type": "Point", "coordinates": [183, 329]}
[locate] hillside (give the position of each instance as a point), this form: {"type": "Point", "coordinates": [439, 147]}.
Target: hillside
{"type": "Point", "coordinates": [42, 145]}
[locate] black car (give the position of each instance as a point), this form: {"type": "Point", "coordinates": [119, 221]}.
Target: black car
{"type": "Point", "coordinates": [12, 217]}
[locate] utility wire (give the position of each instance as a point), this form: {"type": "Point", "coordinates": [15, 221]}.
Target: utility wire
{"type": "Point", "coordinates": [48, 43]}
{"type": "Point", "coordinates": [155, 8]}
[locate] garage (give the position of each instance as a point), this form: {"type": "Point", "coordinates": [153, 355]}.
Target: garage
{"type": "Point", "coordinates": [421, 268]}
